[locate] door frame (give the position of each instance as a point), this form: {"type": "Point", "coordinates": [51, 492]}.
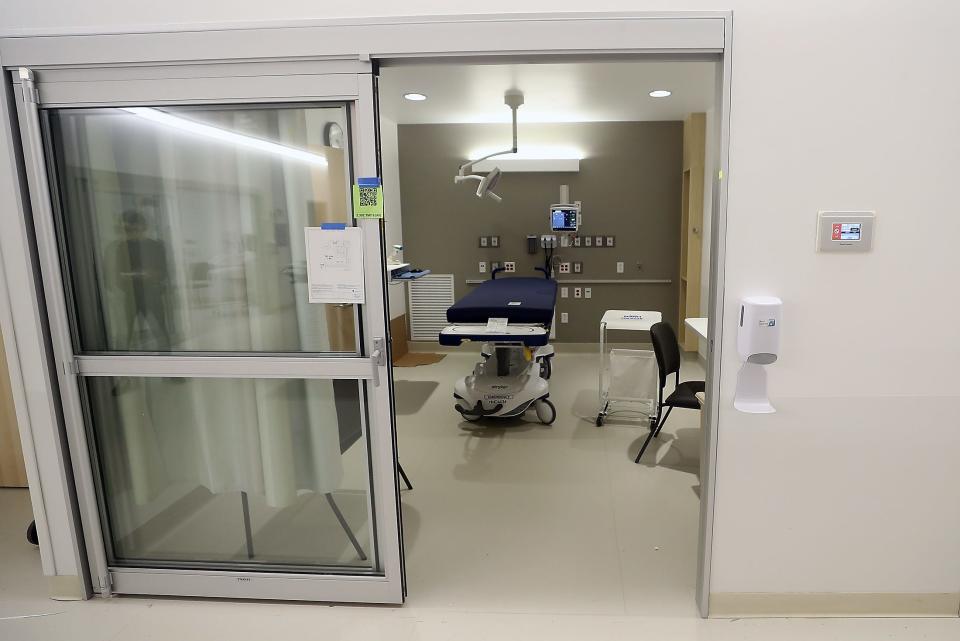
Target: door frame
{"type": "Point", "coordinates": [681, 35]}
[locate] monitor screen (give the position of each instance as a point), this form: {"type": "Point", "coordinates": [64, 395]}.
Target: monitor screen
{"type": "Point", "coordinates": [846, 231]}
{"type": "Point", "coordinates": [563, 219]}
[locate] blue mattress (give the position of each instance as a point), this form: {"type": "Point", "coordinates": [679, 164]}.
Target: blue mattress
{"type": "Point", "coordinates": [519, 300]}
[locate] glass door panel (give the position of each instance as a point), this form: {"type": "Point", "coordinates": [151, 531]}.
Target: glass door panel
{"type": "Point", "coordinates": [234, 431]}
{"type": "Point", "coordinates": [225, 472]}
{"type": "Point", "coordinates": [182, 227]}
{"type": "Point", "coordinates": [227, 437]}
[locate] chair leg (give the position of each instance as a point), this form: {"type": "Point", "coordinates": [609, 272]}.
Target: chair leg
{"type": "Point", "coordinates": [643, 448]}
{"type": "Point", "coordinates": [403, 475]}
{"type": "Point", "coordinates": [662, 421]}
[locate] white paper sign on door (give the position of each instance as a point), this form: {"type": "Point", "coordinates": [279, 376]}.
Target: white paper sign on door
{"type": "Point", "coordinates": [335, 264]}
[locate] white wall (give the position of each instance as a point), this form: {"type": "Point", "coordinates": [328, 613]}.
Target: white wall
{"type": "Point", "coordinates": [853, 485]}
{"type": "Point", "coordinates": [392, 215]}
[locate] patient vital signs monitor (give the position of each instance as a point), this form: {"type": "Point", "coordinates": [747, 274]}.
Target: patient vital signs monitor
{"type": "Point", "coordinates": [564, 218]}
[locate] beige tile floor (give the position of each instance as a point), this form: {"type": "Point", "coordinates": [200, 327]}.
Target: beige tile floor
{"type": "Point", "coordinates": [554, 519]}
{"type": "Point", "coordinates": [513, 532]}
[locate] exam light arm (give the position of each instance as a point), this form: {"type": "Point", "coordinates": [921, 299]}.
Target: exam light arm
{"type": "Point", "coordinates": [467, 167]}
{"type": "Point", "coordinates": [512, 99]}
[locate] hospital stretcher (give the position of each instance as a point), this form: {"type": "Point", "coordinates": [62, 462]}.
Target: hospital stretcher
{"type": "Point", "coordinates": [511, 317]}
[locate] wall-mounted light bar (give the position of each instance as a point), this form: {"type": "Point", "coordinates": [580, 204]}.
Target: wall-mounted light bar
{"type": "Point", "coordinates": [532, 158]}
{"type": "Point", "coordinates": [508, 164]}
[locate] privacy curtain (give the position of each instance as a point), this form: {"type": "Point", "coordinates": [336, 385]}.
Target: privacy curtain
{"type": "Point", "coordinates": [183, 243]}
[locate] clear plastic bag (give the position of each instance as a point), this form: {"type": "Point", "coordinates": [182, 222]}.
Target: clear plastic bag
{"type": "Point", "coordinates": [633, 375]}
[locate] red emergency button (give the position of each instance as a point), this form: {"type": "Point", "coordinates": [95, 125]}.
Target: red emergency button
{"type": "Point", "coordinates": [836, 231]}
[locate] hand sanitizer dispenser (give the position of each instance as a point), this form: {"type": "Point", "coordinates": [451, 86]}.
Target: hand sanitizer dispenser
{"type": "Point", "coordinates": [758, 342]}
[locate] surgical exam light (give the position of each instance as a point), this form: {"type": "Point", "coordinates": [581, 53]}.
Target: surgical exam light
{"type": "Point", "coordinates": [512, 99]}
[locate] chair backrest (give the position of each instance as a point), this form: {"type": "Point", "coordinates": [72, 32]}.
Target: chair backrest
{"type": "Point", "coordinates": [667, 350]}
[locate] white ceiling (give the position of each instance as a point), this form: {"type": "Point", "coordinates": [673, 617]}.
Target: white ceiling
{"type": "Point", "coordinates": [568, 92]}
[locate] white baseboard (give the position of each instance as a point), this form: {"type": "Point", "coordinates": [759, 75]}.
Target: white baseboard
{"type": "Point", "coordinates": [842, 604]}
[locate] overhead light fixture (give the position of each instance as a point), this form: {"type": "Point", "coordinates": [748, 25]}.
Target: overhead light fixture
{"type": "Point", "coordinates": [415, 97]}
{"type": "Point", "coordinates": [660, 93]}
{"type": "Point", "coordinates": [513, 99]}
{"type": "Point", "coordinates": [225, 135]}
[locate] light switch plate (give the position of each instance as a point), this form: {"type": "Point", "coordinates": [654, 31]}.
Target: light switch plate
{"type": "Point", "coordinates": [578, 267]}
{"type": "Point", "coordinates": [588, 241]}
{"type": "Point", "coordinates": [576, 241]}
{"type": "Point", "coordinates": [564, 292]}
{"type": "Point", "coordinates": [484, 241]}
{"type": "Point", "coordinates": [611, 241]}
{"type": "Point", "coordinates": [588, 292]}
{"type": "Point", "coordinates": [845, 231]}
{"type": "Point", "coordinates": [598, 241]}
{"type": "Point", "coordinates": [619, 266]}
{"type": "Point", "coordinates": [564, 317]}
{"type": "Point", "coordinates": [494, 241]}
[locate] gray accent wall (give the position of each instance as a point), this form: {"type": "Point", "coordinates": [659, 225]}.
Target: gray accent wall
{"type": "Point", "coordinates": [629, 183]}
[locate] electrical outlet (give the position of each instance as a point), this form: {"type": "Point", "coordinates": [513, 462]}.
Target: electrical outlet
{"type": "Point", "coordinates": [588, 241]}
{"type": "Point", "coordinates": [483, 267]}
{"type": "Point", "coordinates": [576, 241]}
{"type": "Point", "coordinates": [598, 241]}
{"type": "Point", "coordinates": [619, 266]}
{"type": "Point", "coordinates": [588, 292]}
{"type": "Point", "coordinates": [611, 241]}
{"type": "Point", "coordinates": [578, 292]}
{"type": "Point", "coordinates": [564, 292]}
{"type": "Point", "coordinates": [510, 266]}
{"type": "Point", "coordinates": [564, 317]}
{"type": "Point", "coordinates": [564, 268]}
{"type": "Point", "coordinates": [494, 241]}
{"type": "Point", "coordinates": [578, 267]}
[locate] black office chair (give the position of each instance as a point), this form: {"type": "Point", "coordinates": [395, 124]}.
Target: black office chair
{"type": "Point", "coordinates": [667, 351]}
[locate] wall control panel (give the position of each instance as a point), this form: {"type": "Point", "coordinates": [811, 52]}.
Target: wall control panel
{"type": "Point", "coordinates": [845, 232]}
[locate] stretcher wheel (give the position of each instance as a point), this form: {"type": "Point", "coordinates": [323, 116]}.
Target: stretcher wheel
{"type": "Point", "coordinates": [546, 369]}
{"type": "Point", "coordinates": [470, 417]}
{"type": "Point", "coordinates": [546, 412]}
{"type": "Point", "coordinates": [599, 420]}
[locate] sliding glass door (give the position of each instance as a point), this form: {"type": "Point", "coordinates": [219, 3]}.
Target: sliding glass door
{"type": "Point", "coordinates": [234, 437]}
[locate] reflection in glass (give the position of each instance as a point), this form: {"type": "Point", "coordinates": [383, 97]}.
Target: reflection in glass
{"type": "Point", "coordinates": [206, 470]}
{"type": "Point", "coordinates": [183, 227]}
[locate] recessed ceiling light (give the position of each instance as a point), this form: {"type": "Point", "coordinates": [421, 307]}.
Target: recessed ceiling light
{"type": "Point", "coordinates": [659, 93]}
{"type": "Point", "coordinates": [416, 97]}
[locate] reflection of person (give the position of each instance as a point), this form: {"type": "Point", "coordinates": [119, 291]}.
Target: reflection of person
{"type": "Point", "coordinates": [143, 280]}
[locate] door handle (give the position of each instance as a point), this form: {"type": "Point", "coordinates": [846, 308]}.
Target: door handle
{"type": "Point", "coordinates": [378, 358]}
